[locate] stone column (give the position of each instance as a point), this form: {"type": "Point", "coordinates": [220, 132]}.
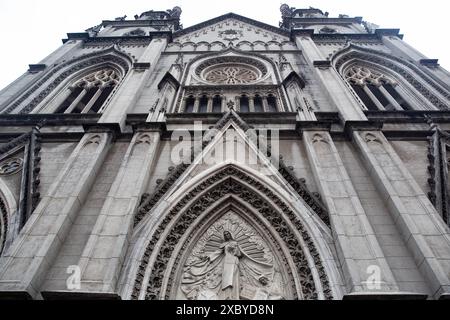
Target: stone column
{"type": "Point", "coordinates": [131, 88]}
{"type": "Point", "coordinates": [210, 104]}
{"type": "Point", "coordinates": [332, 84]}
{"type": "Point", "coordinates": [103, 255]}
{"type": "Point", "coordinates": [357, 247]}
{"type": "Point", "coordinates": [93, 100]}
{"type": "Point", "coordinates": [196, 104]}
{"type": "Point", "coordinates": [422, 229]}
{"type": "Point", "coordinates": [390, 98]}
{"type": "Point", "coordinates": [28, 261]}
{"type": "Point", "coordinates": [373, 98]}
{"type": "Point", "coordinates": [251, 104]}
{"type": "Point", "coordinates": [265, 104]}
{"type": "Point", "coordinates": [76, 101]}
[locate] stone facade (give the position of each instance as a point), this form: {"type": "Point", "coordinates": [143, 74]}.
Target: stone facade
{"type": "Point", "coordinates": [227, 160]}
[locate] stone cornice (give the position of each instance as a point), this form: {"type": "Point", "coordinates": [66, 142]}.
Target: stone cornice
{"type": "Point", "coordinates": [139, 23]}
{"type": "Point", "coordinates": [55, 119]}
{"type": "Point", "coordinates": [379, 33]}
{"type": "Point", "coordinates": [314, 21]}
{"type": "Point", "coordinates": [85, 36]}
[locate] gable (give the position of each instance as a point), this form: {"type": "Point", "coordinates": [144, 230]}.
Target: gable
{"type": "Point", "coordinates": [231, 28]}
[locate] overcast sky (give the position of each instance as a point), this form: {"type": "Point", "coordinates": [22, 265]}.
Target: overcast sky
{"type": "Point", "coordinates": [32, 29]}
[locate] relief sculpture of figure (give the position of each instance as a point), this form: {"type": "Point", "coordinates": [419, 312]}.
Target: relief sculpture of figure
{"type": "Point", "coordinates": [223, 273]}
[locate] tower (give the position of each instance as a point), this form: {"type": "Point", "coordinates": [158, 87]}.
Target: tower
{"type": "Point", "coordinates": [227, 160]}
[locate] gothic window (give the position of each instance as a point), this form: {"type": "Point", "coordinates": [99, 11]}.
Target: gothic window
{"type": "Point", "coordinates": [217, 104]}
{"type": "Point", "coordinates": [376, 90]}
{"type": "Point", "coordinates": [89, 94]}
{"type": "Point", "coordinates": [244, 105]}
{"type": "Point", "coordinates": [190, 101]}
{"type": "Point", "coordinates": [203, 105]}
{"type": "Point", "coordinates": [258, 103]}
{"type": "Point", "coordinates": [271, 103]}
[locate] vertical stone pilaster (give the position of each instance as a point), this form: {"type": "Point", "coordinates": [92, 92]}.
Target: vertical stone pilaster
{"type": "Point", "coordinates": [133, 85]}
{"type": "Point", "coordinates": [356, 244]}
{"type": "Point", "coordinates": [33, 252]}
{"type": "Point", "coordinates": [400, 47]}
{"type": "Point", "coordinates": [330, 80]}
{"type": "Point", "coordinates": [104, 252]}
{"type": "Point", "coordinates": [417, 220]}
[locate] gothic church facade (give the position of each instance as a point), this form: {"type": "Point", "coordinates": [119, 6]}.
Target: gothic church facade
{"type": "Point", "coordinates": [228, 160]}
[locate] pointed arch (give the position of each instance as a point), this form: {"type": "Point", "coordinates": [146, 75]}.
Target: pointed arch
{"type": "Point", "coordinates": [55, 76]}
{"type": "Point", "coordinates": [164, 227]}
{"type": "Point", "coordinates": [400, 68]}
{"type": "Point", "coordinates": [8, 209]}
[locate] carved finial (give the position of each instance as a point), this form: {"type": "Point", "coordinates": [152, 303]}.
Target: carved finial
{"type": "Point", "coordinates": [230, 105]}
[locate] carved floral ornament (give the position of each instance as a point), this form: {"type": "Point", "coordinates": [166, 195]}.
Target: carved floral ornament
{"type": "Point", "coordinates": [254, 272]}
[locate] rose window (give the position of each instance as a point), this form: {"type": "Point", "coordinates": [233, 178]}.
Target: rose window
{"type": "Point", "coordinates": [234, 74]}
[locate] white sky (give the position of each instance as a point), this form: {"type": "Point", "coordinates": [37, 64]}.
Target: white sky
{"type": "Point", "coordinates": [32, 29]}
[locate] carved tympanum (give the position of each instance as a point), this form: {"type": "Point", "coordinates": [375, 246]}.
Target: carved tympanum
{"type": "Point", "coordinates": [231, 261]}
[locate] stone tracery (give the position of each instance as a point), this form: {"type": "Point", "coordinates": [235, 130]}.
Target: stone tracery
{"type": "Point", "coordinates": [231, 74]}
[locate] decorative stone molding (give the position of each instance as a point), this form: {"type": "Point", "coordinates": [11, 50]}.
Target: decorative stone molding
{"type": "Point", "coordinates": [299, 185]}
{"type": "Point", "coordinates": [3, 224]}
{"type": "Point", "coordinates": [221, 186]}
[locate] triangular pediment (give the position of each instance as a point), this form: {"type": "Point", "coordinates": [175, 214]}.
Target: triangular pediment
{"type": "Point", "coordinates": [232, 28]}
{"type": "Point", "coordinates": [232, 142]}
